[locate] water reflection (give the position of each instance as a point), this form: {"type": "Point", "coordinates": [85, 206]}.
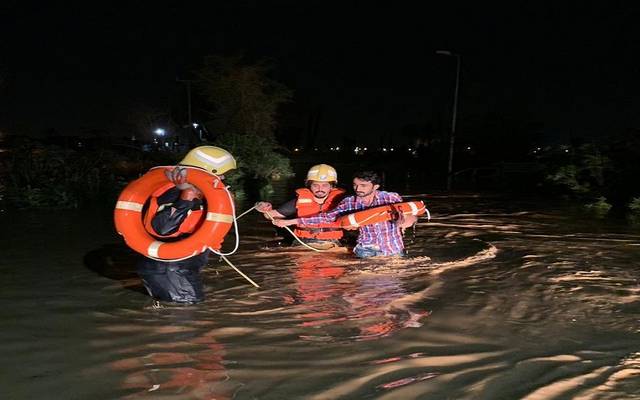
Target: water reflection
{"type": "Point", "coordinates": [182, 361]}
{"type": "Point", "coordinates": [498, 300]}
{"type": "Point", "coordinates": [346, 305]}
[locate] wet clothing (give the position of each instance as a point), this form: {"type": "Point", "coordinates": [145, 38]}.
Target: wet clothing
{"type": "Point", "coordinates": [164, 224]}
{"type": "Point", "coordinates": [177, 281]}
{"type": "Point", "coordinates": [386, 236]}
{"type": "Point", "coordinates": [370, 250]}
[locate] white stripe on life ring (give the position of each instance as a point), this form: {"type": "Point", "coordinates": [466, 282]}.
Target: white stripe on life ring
{"type": "Point", "coordinates": [129, 205]}
{"type": "Point", "coordinates": [352, 220]}
{"type": "Point", "coordinates": [153, 248]}
{"type": "Point", "coordinates": [414, 208]}
{"type": "Point", "coordinates": [216, 217]}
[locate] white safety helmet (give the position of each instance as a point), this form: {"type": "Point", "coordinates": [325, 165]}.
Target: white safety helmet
{"type": "Point", "coordinates": [322, 173]}
{"type": "Point", "coordinates": [211, 158]}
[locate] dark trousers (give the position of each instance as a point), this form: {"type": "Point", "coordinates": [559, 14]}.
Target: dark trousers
{"type": "Point", "coordinates": [178, 282]}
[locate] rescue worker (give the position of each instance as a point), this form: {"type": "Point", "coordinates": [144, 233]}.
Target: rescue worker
{"type": "Point", "coordinates": [174, 214]}
{"type": "Point", "coordinates": [320, 194]}
{"type": "Point", "coordinates": [379, 239]}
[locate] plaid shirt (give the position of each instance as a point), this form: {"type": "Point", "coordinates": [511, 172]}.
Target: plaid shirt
{"type": "Point", "coordinates": [385, 235]}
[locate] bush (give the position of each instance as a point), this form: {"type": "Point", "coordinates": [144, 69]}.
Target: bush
{"type": "Point", "coordinates": [600, 207]}
{"type": "Point", "coordinates": [258, 163]}
{"type": "Point", "coordinates": [634, 210]}
{"type": "Point", "coordinates": [39, 176]}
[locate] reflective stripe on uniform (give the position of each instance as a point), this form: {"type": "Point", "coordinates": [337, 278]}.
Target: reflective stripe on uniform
{"type": "Point", "coordinates": [152, 251]}
{"type": "Point", "coordinates": [305, 201]}
{"type": "Point", "coordinates": [216, 217]}
{"type": "Point", "coordinates": [129, 206]}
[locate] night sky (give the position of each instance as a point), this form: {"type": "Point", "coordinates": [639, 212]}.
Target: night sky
{"type": "Point", "coordinates": [560, 68]}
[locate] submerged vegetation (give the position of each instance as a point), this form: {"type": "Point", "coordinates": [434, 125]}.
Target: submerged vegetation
{"type": "Point", "coordinates": [50, 176]}
{"type": "Point", "coordinates": [601, 177]}
{"type": "Point", "coordinates": [38, 175]}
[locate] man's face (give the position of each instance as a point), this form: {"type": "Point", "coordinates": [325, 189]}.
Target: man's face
{"type": "Point", "coordinates": [320, 189]}
{"type": "Point", "coordinates": [363, 188]}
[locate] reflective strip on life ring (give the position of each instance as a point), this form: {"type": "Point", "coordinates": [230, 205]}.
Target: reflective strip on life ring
{"type": "Point", "coordinates": [382, 213]}
{"type": "Point", "coordinates": [128, 216]}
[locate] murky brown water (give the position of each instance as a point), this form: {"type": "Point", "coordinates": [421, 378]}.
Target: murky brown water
{"type": "Point", "coordinates": [498, 300]}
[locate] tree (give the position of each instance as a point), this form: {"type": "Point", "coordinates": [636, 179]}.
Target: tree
{"type": "Point", "coordinates": [244, 102]}
{"type": "Point", "coordinates": [244, 99]}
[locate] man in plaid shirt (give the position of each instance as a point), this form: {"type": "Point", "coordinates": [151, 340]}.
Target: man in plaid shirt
{"type": "Point", "coordinates": [380, 239]}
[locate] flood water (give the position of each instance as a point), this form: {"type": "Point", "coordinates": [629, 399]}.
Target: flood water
{"type": "Point", "coordinates": [497, 299]}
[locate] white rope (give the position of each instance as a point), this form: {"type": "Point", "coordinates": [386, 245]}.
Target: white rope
{"type": "Point", "coordinates": [240, 272]}
{"type": "Point", "coordinates": [235, 226]}
{"type": "Point", "coordinates": [245, 213]}
{"type": "Point", "coordinates": [296, 237]}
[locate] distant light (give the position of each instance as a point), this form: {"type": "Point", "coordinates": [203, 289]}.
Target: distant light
{"type": "Point", "coordinates": [166, 144]}
{"type": "Point", "coordinates": [195, 125]}
{"type": "Point", "coordinates": [315, 149]}
{"type": "Point", "coordinates": [384, 149]}
{"type": "Point", "coordinates": [159, 132]}
{"type": "Point", "coordinates": [566, 150]}
{"type": "Point", "coordinates": [296, 149]}
{"type": "Point", "coordinates": [365, 149]}
{"type": "Point", "coordinates": [468, 147]}
{"type": "Point", "coordinates": [338, 148]}
{"type": "Point", "coordinates": [331, 149]}
{"type": "Point", "coordinates": [410, 149]}
{"type": "Point", "coordinates": [392, 149]}
{"type": "Point", "coordinates": [538, 149]}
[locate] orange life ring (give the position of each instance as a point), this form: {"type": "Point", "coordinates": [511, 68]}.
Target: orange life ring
{"type": "Point", "coordinates": [382, 213]}
{"type": "Point", "coordinates": [128, 216]}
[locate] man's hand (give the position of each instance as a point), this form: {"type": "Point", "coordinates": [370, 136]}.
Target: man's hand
{"type": "Point", "coordinates": [285, 222]}
{"type": "Point", "coordinates": [263, 206]}
{"type": "Point", "coordinates": [404, 221]}
{"type": "Point", "coordinates": [178, 176]}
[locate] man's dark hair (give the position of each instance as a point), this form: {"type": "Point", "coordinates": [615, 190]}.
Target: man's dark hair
{"type": "Point", "coordinates": [369, 176]}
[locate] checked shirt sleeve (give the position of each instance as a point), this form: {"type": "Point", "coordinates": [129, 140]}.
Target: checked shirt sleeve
{"type": "Point", "coordinates": [329, 216]}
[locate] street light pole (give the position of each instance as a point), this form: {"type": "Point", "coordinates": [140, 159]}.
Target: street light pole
{"type": "Point", "coordinates": [188, 82]}
{"type": "Point", "coordinates": [452, 138]}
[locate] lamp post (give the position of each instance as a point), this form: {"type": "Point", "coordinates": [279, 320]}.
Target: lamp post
{"type": "Point", "coordinates": [452, 138]}
{"type": "Point", "coordinates": [188, 82]}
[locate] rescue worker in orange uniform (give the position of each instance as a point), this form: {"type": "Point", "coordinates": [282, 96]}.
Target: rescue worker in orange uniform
{"type": "Point", "coordinates": [173, 214]}
{"type": "Point", "coordinates": [320, 194]}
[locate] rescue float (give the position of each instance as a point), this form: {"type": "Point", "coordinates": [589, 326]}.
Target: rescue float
{"type": "Point", "coordinates": [381, 213]}
{"type": "Point", "coordinates": [214, 224]}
